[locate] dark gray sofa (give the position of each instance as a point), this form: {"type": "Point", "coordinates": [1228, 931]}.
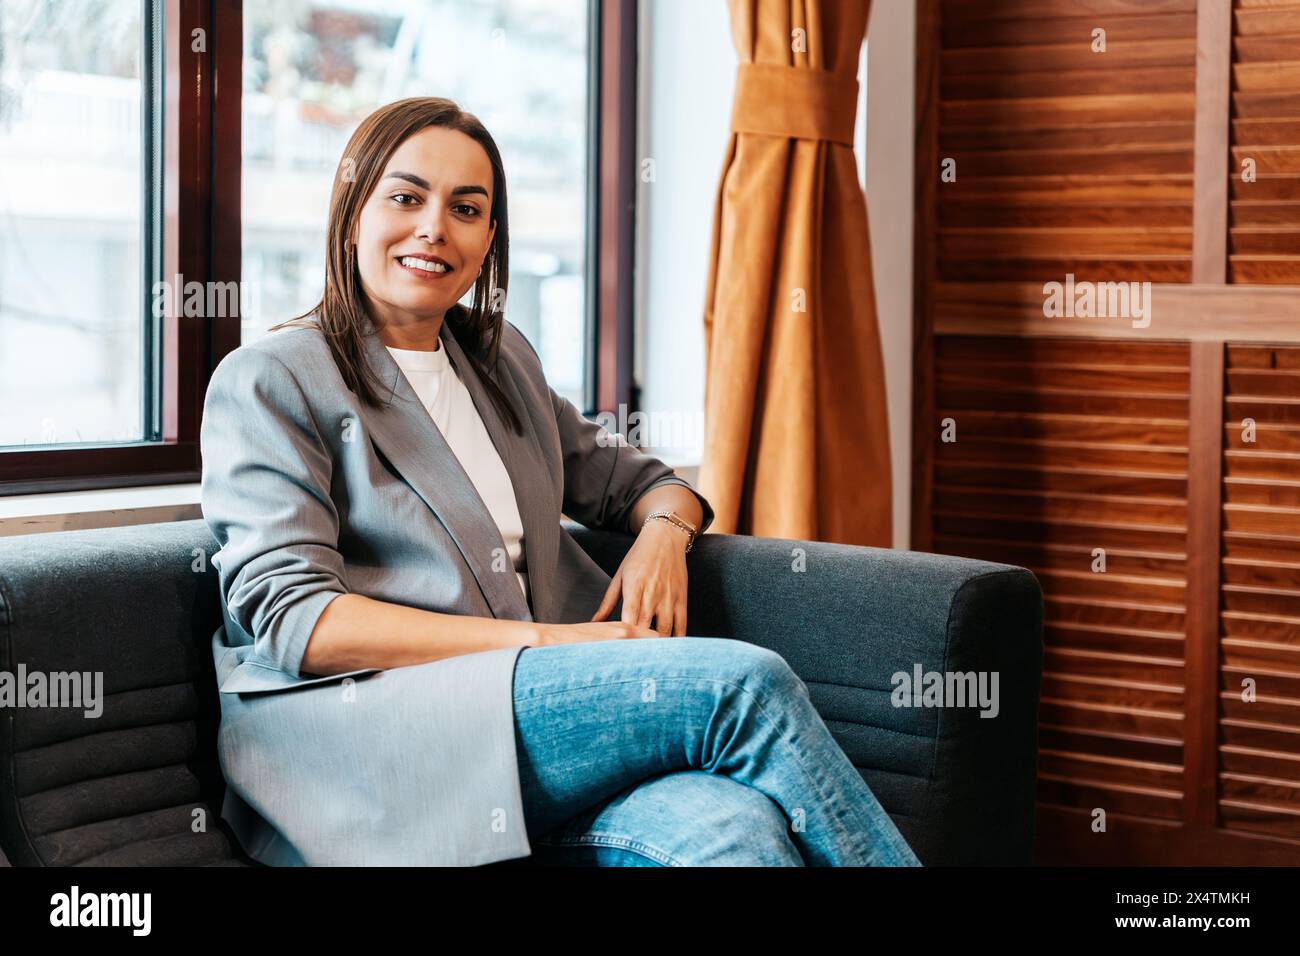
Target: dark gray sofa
{"type": "Point", "coordinates": [140, 784]}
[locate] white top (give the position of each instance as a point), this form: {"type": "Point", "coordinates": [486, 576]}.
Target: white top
{"type": "Point", "coordinates": [448, 401]}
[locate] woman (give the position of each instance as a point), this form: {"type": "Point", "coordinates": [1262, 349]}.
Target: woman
{"type": "Point", "coordinates": [417, 664]}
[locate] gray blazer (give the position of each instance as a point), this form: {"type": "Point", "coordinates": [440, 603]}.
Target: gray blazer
{"type": "Point", "coordinates": [311, 494]}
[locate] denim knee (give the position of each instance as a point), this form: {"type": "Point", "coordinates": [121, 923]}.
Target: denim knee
{"type": "Point", "coordinates": [766, 674]}
{"type": "Point", "coordinates": [684, 818]}
{"type": "Point", "coordinates": [740, 827]}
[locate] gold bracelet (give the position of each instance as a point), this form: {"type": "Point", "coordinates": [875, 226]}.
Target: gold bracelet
{"type": "Point", "coordinates": [671, 518]}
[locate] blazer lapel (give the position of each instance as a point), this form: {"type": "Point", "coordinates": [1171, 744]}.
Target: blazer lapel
{"type": "Point", "coordinates": [404, 431]}
{"type": "Point", "coordinates": [524, 462]}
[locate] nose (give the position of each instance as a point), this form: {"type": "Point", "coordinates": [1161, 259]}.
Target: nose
{"type": "Point", "coordinates": [432, 227]}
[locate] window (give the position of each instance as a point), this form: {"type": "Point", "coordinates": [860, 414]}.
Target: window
{"type": "Point", "coordinates": [78, 204]}
{"type": "Point", "coordinates": [147, 141]}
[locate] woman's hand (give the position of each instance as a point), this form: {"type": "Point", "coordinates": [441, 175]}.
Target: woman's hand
{"type": "Point", "coordinates": [652, 581]}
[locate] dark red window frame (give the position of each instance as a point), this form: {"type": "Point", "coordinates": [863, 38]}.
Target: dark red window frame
{"type": "Point", "coordinates": [201, 240]}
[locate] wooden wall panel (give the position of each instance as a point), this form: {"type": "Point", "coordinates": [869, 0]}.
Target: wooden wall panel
{"type": "Point", "coordinates": [1073, 435]}
{"type": "Point", "coordinates": [1264, 216]}
{"type": "Point", "coordinates": [1064, 447]}
{"type": "Point", "coordinates": [1259, 750]}
{"type": "Point", "coordinates": [1067, 160]}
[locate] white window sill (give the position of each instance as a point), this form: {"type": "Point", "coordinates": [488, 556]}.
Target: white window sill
{"type": "Point", "coordinates": [100, 508]}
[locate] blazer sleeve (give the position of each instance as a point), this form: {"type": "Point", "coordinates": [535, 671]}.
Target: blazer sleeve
{"type": "Point", "coordinates": [265, 496]}
{"type": "Point", "coordinates": [604, 476]}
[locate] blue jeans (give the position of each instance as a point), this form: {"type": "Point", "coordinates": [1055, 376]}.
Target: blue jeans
{"type": "Point", "coordinates": [686, 751]}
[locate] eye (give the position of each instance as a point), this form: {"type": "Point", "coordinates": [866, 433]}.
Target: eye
{"type": "Point", "coordinates": [472, 210]}
{"type": "Point", "coordinates": [397, 196]}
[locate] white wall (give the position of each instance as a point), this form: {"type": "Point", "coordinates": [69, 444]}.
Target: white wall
{"type": "Point", "coordinates": [889, 156]}
{"type": "Point", "coordinates": [687, 80]}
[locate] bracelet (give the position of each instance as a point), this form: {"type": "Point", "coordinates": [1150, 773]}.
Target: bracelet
{"type": "Point", "coordinates": [671, 518]}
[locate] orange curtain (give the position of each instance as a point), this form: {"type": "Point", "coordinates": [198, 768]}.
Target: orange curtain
{"type": "Point", "coordinates": [796, 429]}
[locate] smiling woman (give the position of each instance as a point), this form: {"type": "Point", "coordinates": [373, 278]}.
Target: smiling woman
{"type": "Point", "coordinates": [440, 194]}
{"type": "Point", "coordinates": [373, 472]}
{"type": "Point", "coordinates": [435, 233]}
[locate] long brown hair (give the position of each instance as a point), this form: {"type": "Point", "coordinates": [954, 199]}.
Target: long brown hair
{"type": "Point", "coordinates": [341, 315]}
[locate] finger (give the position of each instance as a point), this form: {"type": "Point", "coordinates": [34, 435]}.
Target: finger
{"type": "Point", "coordinates": [645, 610]}
{"type": "Point", "coordinates": [664, 618]}
{"type": "Point", "coordinates": [610, 599]}
{"type": "Point", "coordinates": [632, 603]}
{"type": "Point", "coordinates": [679, 617]}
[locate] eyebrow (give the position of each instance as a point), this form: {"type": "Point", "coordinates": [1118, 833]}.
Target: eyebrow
{"type": "Point", "coordinates": [424, 184]}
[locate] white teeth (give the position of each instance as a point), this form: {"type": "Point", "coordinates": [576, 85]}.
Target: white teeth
{"type": "Point", "coordinates": [423, 264]}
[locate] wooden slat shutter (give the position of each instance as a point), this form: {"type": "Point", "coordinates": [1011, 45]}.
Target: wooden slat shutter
{"type": "Point", "coordinates": [1265, 210]}
{"type": "Point", "coordinates": [1259, 739]}
{"type": "Point", "coordinates": [1067, 160]}
{"type": "Point", "coordinates": [1055, 443]}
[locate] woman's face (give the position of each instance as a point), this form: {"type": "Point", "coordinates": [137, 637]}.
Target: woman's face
{"type": "Point", "coordinates": [433, 202]}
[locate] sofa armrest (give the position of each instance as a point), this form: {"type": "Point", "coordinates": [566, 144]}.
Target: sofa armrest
{"type": "Point", "coordinates": [850, 620]}
{"type": "Point", "coordinates": [132, 611]}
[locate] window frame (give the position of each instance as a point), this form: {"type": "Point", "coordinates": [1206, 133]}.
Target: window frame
{"type": "Point", "coordinates": [201, 240]}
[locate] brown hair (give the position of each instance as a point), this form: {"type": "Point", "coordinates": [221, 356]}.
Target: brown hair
{"type": "Point", "coordinates": [340, 314]}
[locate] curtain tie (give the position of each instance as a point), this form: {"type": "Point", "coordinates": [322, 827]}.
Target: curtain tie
{"type": "Point", "coordinates": [795, 101]}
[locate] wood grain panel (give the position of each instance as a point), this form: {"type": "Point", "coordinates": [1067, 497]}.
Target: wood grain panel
{"type": "Point", "coordinates": [1260, 627]}
{"type": "Point", "coordinates": [1174, 449]}
{"type": "Point", "coordinates": [1109, 769]}
{"type": "Point", "coordinates": [963, 11]}
{"type": "Point", "coordinates": [1129, 615]}
{"type": "Point", "coordinates": [1131, 27]}
{"type": "Point", "coordinates": [996, 503]}
{"type": "Point", "coordinates": [1171, 268]}
{"type": "Point", "coordinates": [1120, 535]}
{"type": "Point", "coordinates": [1067, 450]}
{"type": "Point", "coordinates": [1266, 547]}
{"type": "Point", "coordinates": [1075, 455]}
{"type": "Point", "coordinates": [1259, 762]}
{"type": "Point", "coordinates": [1050, 134]}
{"type": "Point", "coordinates": [1112, 719]}
{"type": "Point", "coordinates": [1115, 639]}
{"type": "Point", "coordinates": [1264, 227]}
{"type": "Point", "coordinates": [1259, 782]}
{"type": "Point", "coordinates": [1280, 19]}
{"type": "Point", "coordinates": [1111, 215]}
{"type": "Point", "coordinates": [1124, 51]}
{"type": "Point", "coordinates": [1187, 312]}
{"type": "Point", "coordinates": [1066, 557]}
{"type": "Point", "coordinates": [1158, 750]}
{"type": "Point", "coordinates": [1130, 668]}
{"type": "Point", "coordinates": [1113, 797]}
{"type": "Point", "coordinates": [1076, 83]}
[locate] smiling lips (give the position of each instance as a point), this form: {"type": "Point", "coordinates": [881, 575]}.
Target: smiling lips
{"type": "Point", "coordinates": [424, 268]}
